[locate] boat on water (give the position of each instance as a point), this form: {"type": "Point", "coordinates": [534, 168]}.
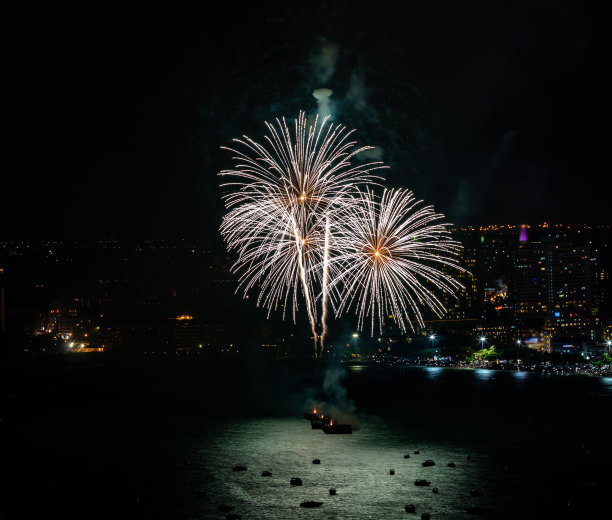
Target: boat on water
{"type": "Point", "coordinates": [311, 503]}
{"type": "Point", "coordinates": [311, 416]}
{"type": "Point", "coordinates": [337, 428]}
{"type": "Point", "coordinates": [320, 422]}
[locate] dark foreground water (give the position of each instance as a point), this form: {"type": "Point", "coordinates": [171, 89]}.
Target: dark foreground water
{"type": "Point", "coordinates": [110, 439]}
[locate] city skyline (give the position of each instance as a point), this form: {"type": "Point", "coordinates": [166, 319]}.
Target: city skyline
{"type": "Point", "coordinates": [546, 285]}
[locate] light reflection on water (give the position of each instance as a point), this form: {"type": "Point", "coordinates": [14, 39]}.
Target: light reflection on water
{"type": "Point", "coordinates": [520, 374]}
{"type": "Point", "coordinates": [484, 374]}
{"type": "Point", "coordinates": [356, 465]}
{"type": "Point", "coordinates": [494, 416]}
{"type": "Point", "coordinates": [433, 372]}
{"type": "Point", "coordinates": [607, 383]}
{"type": "Point", "coordinates": [356, 368]}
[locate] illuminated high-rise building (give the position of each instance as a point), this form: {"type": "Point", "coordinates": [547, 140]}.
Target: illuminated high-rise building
{"type": "Point", "coordinates": [529, 284]}
{"type": "Point", "coordinates": [569, 286]}
{"type": "Point", "coordinates": [466, 304]}
{"type": "Point", "coordinates": [552, 282]}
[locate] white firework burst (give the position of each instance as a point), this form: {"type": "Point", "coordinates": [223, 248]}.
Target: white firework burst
{"type": "Point", "coordinates": [391, 256]}
{"type": "Point", "coordinates": [285, 195]}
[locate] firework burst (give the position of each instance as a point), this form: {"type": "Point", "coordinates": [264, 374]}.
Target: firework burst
{"type": "Point", "coordinates": [391, 256]}
{"type": "Point", "coordinates": [285, 195]}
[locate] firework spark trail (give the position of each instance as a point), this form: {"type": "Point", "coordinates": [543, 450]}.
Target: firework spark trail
{"type": "Point", "coordinates": [300, 242]}
{"type": "Point", "coordinates": [324, 290]}
{"type": "Point", "coordinates": [280, 193]}
{"type": "Point", "coordinates": [391, 253]}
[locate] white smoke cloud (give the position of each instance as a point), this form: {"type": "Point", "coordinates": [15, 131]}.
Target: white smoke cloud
{"type": "Point", "coordinates": [357, 91]}
{"type": "Point", "coordinates": [340, 406]}
{"type": "Point", "coordinates": [324, 62]}
{"type": "Point", "coordinates": [324, 102]}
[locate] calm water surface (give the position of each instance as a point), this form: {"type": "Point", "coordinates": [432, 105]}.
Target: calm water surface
{"type": "Point", "coordinates": [158, 441]}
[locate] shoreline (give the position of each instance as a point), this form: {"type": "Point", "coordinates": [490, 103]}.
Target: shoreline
{"type": "Point", "coordinates": [547, 370]}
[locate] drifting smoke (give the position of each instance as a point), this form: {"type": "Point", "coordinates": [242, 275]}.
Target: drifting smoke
{"type": "Point", "coordinates": [353, 98]}
{"type": "Point", "coordinates": [323, 68]}
{"type": "Point", "coordinates": [342, 408]}
{"type": "Point", "coordinates": [487, 167]}
{"type": "Point", "coordinates": [461, 205]}
{"type": "Point", "coordinates": [323, 95]}
{"type": "Point", "coordinates": [324, 62]}
{"type": "Point", "coordinates": [374, 154]}
{"type": "Point", "coordinates": [357, 92]}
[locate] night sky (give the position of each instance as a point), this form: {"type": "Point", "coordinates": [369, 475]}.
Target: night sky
{"type": "Point", "coordinates": [493, 112]}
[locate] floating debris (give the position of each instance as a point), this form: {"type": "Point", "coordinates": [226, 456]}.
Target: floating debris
{"type": "Point", "coordinates": [451, 464]}
{"type": "Point", "coordinates": [391, 472]}
{"type": "Point", "coordinates": [428, 463]}
{"type": "Point", "coordinates": [421, 482]}
{"type": "Point", "coordinates": [434, 490]}
{"type": "Point", "coordinates": [425, 516]}
{"type": "Point", "coordinates": [332, 491]}
{"type": "Point", "coordinates": [266, 474]}
{"type": "Point", "coordinates": [406, 456]}
{"type": "Point", "coordinates": [410, 508]}
{"type": "Point", "coordinates": [416, 452]}
{"type": "Point", "coordinates": [295, 481]}
{"type": "Point", "coordinates": [316, 461]}
{"type": "Point", "coordinates": [311, 503]}
{"type": "Point", "coordinates": [239, 468]}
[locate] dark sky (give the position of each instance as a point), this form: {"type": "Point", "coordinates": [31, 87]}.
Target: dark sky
{"type": "Point", "coordinates": [493, 112]}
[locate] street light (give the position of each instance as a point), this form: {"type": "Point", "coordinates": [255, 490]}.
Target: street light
{"type": "Point", "coordinates": [482, 341]}
{"type": "Point", "coordinates": [432, 338]}
{"type": "Point", "coordinates": [609, 342]}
